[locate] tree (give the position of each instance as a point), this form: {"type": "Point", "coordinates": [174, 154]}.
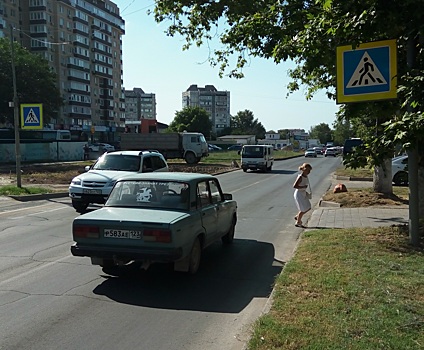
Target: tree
{"type": "Point", "coordinates": [308, 33]}
{"type": "Point", "coordinates": [244, 123]}
{"type": "Point", "coordinates": [321, 132]}
{"type": "Point", "coordinates": [36, 82]}
{"type": "Point", "coordinates": [193, 119]}
{"type": "Point", "coordinates": [342, 131]}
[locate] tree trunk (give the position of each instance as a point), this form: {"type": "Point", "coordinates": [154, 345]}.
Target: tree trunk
{"type": "Point", "coordinates": [382, 179]}
{"type": "Point", "coordinates": [421, 190]}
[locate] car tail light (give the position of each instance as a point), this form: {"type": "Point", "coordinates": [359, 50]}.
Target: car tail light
{"type": "Point", "coordinates": [86, 231]}
{"type": "Point", "coordinates": [153, 235]}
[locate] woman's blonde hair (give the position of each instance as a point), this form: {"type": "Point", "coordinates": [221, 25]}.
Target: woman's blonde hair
{"type": "Point", "coordinates": [305, 166]}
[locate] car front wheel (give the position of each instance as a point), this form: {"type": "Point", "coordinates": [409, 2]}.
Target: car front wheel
{"type": "Point", "coordinates": [401, 178]}
{"type": "Point", "coordinates": [80, 207]}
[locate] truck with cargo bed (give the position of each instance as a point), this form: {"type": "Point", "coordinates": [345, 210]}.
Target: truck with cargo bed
{"type": "Point", "coordinates": [190, 146]}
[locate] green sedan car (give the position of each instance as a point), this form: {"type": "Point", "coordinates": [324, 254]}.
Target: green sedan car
{"type": "Point", "coordinates": [157, 217]}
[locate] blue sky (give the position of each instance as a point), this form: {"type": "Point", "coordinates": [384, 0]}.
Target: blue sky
{"type": "Point", "coordinates": [157, 64]}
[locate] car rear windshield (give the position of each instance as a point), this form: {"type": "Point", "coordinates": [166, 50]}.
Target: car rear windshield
{"type": "Point", "coordinates": [150, 194]}
{"type": "Point", "coordinates": [118, 162]}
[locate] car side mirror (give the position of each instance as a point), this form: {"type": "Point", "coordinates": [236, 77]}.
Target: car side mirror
{"type": "Point", "coordinates": [228, 196]}
{"type": "Point", "coordinates": [87, 168]}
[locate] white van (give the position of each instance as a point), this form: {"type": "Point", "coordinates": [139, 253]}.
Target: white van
{"type": "Point", "coordinates": [257, 157]}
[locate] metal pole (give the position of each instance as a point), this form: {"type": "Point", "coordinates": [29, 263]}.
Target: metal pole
{"type": "Point", "coordinates": [414, 234]}
{"type": "Point", "coordinates": [16, 114]}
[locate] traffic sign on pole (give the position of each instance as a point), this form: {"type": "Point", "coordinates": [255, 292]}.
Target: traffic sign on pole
{"type": "Point", "coordinates": [31, 116]}
{"type": "Point", "coordinates": [367, 73]}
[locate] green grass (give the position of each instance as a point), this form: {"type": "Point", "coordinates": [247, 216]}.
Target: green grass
{"type": "Point", "coordinates": [19, 191]}
{"type": "Point", "coordinates": [355, 289]}
{"type": "Point", "coordinates": [360, 172]}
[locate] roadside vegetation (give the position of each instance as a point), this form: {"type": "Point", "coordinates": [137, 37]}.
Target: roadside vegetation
{"type": "Point", "coordinates": [354, 289]}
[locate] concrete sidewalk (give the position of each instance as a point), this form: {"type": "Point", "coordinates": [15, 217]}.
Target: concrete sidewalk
{"type": "Point", "coordinates": [327, 216]}
{"type": "Point", "coordinates": [375, 216]}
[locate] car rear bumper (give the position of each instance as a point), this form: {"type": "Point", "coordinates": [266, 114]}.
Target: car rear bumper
{"type": "Point", "coordinates": [153, 254]}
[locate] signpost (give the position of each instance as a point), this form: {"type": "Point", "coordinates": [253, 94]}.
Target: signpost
{"type": "Point", "coordinates": [367, 72]}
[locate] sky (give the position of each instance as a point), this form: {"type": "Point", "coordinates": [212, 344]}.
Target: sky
{"type": "Point", "coordinates": [157, 64]}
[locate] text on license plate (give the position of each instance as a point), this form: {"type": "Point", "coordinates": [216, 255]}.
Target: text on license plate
{"type": "Point", "coordinates": [113, 233]}
{"type": "Point", "coordinates": [86, 191]}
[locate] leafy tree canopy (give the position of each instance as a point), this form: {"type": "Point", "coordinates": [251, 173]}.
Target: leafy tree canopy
{"type": "Point", "coordinates": [308, 33]}
{"type": "Point", "coordinates": [321, 132]}
{"type": "Point", "coordinates": [193, 119]}
{"type": "Point", "coordinates": [244, 123]}
{"type": "Point", "coordinates": [35, 82]}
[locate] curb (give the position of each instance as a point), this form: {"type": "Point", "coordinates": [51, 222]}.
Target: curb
{"type": "Point", "coordinates": [350, 178]}
{"type": "Point", "coordinates": [37, 197]}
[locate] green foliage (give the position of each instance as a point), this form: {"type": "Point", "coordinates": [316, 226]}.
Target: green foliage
{"type": "Point", "coordinates": [321, 132]}
{"type": "Point", "coordinates": [308, 33]}
{"type": "Point", "coordinates": [193, 119]}
{"type": "Point", "coordinates": [244, 123]}
{"type": "Point", "coordinates": [36, 82]}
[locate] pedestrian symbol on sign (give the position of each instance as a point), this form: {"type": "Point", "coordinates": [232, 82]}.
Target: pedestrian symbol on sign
{"type": "Point", "coordinates": [366, 74]}
{"type": "Point", "coordinates": [31, 118]}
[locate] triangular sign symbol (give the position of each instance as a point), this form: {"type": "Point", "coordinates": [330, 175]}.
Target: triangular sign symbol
{"type": "Point", "coordinates": [31, 118]}
{"type": "Point", "coordinates": [366, 74]}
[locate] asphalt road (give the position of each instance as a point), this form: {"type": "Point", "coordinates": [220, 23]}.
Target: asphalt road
{"type": "Point", "coordinates": [52, 300]}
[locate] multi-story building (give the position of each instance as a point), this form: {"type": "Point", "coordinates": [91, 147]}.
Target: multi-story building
{"type": "Point", "coordinates": [140, 111]}
{"type": "Point", "coordinates": [82, 42]}
{"type": "Point", "coordinates": [216, 103]}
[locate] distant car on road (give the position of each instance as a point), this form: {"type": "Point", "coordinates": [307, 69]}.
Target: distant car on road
{"type": "Point", "coordinates": [237, 147]}
{"type": "Point", "coordinates": [157, 217]}
{"type": "Point", "coordinates": [331, 151]}
{"type": "Point", "coordinates": [400, 170]}
{"type": "Point", "coordinates": [101, 147]}
{"type": "Point", "coordinates": [213, 148]}
{"type": "Point", "coordinates": [310, 152]}
{"type": "Point", "coordinates": [318, 150]}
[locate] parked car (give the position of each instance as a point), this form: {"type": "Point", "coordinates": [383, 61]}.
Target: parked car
{"type": "Point", "coordinates": [95, 184]}
{"type": "Point", "coordinates": [213, 148]}
{"type": "Point", "coordinates": [159, 217]}
{"type": "Point", "coordinates": [237, 147]}
{"type": "Point", "coordinates": [400, 170]}
{"type": "Point", "coordinates": [350, 144]}
{"type": "Point", "coordinates": [330, 151]}
{"type": "Point", "coordinates": [101, 147]}
{"type": "Point", "coordinates": [318, 150]}
{"type": "Point", "coordinates": [310, 152]}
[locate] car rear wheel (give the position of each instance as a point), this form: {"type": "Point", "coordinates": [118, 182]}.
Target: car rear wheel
{"type": "Point", "coordinates": [401, 178]}
{"type": "Point", "coordinates": [190, 158]}
{"type": "Point", "coordinates": [195, 256]}
{"type": "Point", "coordinates": [229, 237]}
{"type": "Point", "coordinates": [80, 207]}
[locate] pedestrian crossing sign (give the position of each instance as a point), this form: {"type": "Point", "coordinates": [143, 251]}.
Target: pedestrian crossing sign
{"type": "Point", "coordinates": [367, 73]}
{"type": "Point", "coordinates": [31, 116]}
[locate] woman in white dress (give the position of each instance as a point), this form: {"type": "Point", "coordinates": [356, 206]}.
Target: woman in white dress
{"type": "Point", "coordinates": [300, 196]}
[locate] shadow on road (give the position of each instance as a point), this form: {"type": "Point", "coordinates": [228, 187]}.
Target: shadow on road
{"type": "Point", "coordinates": [228, 279]}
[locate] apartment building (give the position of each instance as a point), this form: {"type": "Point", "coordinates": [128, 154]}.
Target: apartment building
{"type": "Point", "coordinates": [216, 103]}
{"type": "Point", "coordinates": [140, 111]}
{"type": "Point", "coordinates": [82, 42]}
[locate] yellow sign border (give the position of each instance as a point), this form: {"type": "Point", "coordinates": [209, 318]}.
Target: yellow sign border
{"type": "Point", "coordinates": [372, 96]}
{"type": "Point", "coordinates": [36, 105]}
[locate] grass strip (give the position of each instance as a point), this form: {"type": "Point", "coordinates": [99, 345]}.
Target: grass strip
{"type": "Point", "coordinates": [347, 289]}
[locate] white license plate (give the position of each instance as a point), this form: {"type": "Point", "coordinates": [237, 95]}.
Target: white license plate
{"type": "Point", "coordinates": [113, 233]}
{"type": "Point", "coordinates": [91, 191]}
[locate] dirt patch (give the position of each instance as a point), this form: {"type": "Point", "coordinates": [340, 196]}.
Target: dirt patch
{"type": "Point", "coordinates": [62, 174]}
{"type": "Point", "coordinates": [366, 197]}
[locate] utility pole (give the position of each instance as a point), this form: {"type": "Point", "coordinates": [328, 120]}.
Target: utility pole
{"type": "Point", "coordinates": [414, 234]}
{"type": "Point", "coordinates": [15, 104]}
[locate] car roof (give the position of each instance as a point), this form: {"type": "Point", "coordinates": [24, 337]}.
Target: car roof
{"type": "Point", "coordinates": [168, 176]}
{"type": "Point", "coordinates": [133, 153]}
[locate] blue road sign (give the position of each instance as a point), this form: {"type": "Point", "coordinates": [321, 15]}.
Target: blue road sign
{"type": "Point", "coordinates": [366, 73]}
{"type": "Point", "coordinates": [31, 116]}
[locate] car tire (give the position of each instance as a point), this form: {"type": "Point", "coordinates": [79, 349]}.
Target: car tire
{"type": "Point", "coordinates": [195, 257]}
{"type": "Point", "coordinates": [401, 178]}
{"type": "Point", "coordinates": [190, 158]}
{"type": "Point", "coordinates": [229, 236]}
{"type": "Point", "coordinates": [80, 207]}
